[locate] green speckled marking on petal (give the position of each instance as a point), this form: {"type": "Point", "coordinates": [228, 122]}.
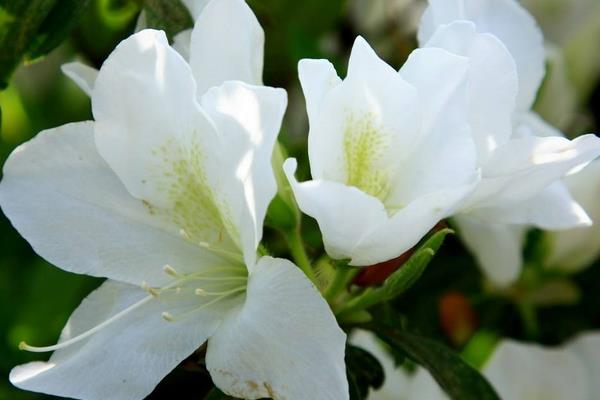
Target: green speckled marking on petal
{"type": "Point", "coordinates": [364, 144]}
{"type": "Point", "coordinates": [196, 209]}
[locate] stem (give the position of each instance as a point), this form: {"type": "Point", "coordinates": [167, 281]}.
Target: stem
{"type": "Point", "coordinates": [529, 318]}
{"type": "Point", "coordinates": [365, 300]}
{"type": "Point", "coordinates": [296, 245]}
{"type": "Point", "coordinates": [343, 276]}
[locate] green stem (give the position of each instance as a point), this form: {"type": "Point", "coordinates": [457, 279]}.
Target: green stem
{"type": "Point", "coordinates": [529, 318]}
{"type": "Point", "coordinates": [343, 276]}
{"type": "Point", "coordinates": [296, 245]}
{"type": "Point", "coordinates": [365, 300]}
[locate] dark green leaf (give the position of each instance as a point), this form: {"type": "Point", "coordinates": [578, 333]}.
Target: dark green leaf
{"type": "Point", "coordinates": [56, 26]}
{"type": "Point", "coordinates": [20, 21]}
{"type": "Point", "coordinates": [452, 373]}
{"type": "Point", "coordinates": [364, 371]}
{"type": "Point", "coordinates": [170, 16]}
{"type": "Point", "coordinates": [354, 388]}
{"type": "Point", "coordinates": [216, 394]}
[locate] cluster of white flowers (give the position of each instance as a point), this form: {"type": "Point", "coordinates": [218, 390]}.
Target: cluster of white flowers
{"type": "Point", "coordinates": [165, 192]}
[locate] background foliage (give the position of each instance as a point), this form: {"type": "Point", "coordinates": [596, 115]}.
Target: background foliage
{"type": "Point", "coordinates": [449, 303]}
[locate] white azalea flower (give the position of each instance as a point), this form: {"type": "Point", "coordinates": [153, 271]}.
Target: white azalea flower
{"type": "Point", "coordinates": [165, 195]}
{"type": "Point", "coordinates": [522, 158]}
{"type": "Point", "coordinates": [390, 152]}
{"type": "Point", "coordinates": [575, 249]}
{"type": "Point", "coordinates": [518, 371]}
{"type": "Point", "coordinates": [238, 52]}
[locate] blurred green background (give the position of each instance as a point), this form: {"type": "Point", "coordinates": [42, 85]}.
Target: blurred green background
{"type": "Point", "coordinates": [37, 298]}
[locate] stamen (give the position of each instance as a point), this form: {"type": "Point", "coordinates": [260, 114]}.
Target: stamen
{"type": "Point", "coordinates": [169, 317]}
{"type": "Point", "coordinates": [231, 254]}
{"type": "Point", "coordinates": [184, 234]}
{"type": "Point", "coordinates": [240, 268]}
{"type": "Point", "coordinates": [171, 271]}
{"type": "Point", "coordinates": [152, 291]}
{"type": "Point", "coordinates": [86, 334]}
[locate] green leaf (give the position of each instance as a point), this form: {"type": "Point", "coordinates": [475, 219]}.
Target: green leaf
{"type": "Point", "coordinates": [216, 394]}
{"type": "Point", "coordinates": [56, 26]}
{"type": "Point", "coordinates": [458, 379]}
{"type": "Point", "coordinates": [20, 21]}
{"type": "Point", "coordinates": [170, 16]}
{"type": "Point", "coordinates": [364, 372]}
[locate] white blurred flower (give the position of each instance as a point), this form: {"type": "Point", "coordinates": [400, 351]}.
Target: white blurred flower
{"type": "Point", "coordinates": [518, 371]}
{"type": "Point", "coordinates": [575, 249]}
{"type": "Point", "coordinates": [522, 158]}
{"type": "Point", "coordinates": [390, 152]}
{"type": "Point", "coordinates": [175, 170]}
{"type": "Point", "coordinates": [573, 26]}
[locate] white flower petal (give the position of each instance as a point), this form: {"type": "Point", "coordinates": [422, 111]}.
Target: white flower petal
{"type": "Point", "coordinates": [344, 213]}
{"type": "Point", "coordinates": [532, 124]}
{"type": "Point", "coordinates": [356, 225]}
{"type": "Point", "coordinates": [227, 44]}
{"type": "Point", "coordinates": [524, 167]}
{"type": "Point", "coordinates": [493, 82]}
{"type": "Point", "coordinates": [284, 343]}
{"type": "Point", "coordinates": [587, 347]}
{"type": "Point", "coordinates": [406, 227]}
{"type": "Point", "coordinates": [553, 209]}
{"type": "Point", "coordinates": [144, 106]}
{"type": "Point", "coordinates": [317, 78]}
{"type": "Point", "coordinates": [182, 42]}
{"type": "Point", "coordinates": [247, 119]}
{"type": "Point", "coordinates": [446, 157]}
{"type": "Point", "coordinates": [530, 372]}
{"type": "Point", "coordinates": [195, 7]}
{"type": "Point", "coordinates": [125, 360]}
{"type": "Point", "coordinates": [497, 248]}
{"type": "Point", "coordinates": [64, 199]}
{"type": "Point", "coordinates": [141, 23]}
{"type": "Point", "coordinates": [83, 75]}
{"type": "Point", "coordinates": [575, 249]}
{"type": "Point", "coordinates": [507, 20]}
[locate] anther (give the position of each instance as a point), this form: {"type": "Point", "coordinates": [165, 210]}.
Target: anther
{"type": "Point", "coordinates": [152, 291]}
{"type": "Point", "coordinates": [184, 234]}
{"type": "Point", "coordinates": [200, 292]}
{"type": "Point", "coordinates": [171, 271]}
{"type": "Point", "coordinates": [168, 317]}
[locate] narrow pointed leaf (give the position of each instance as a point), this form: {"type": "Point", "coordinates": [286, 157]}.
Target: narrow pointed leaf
{"type": "Point", "coordinates": [458, 379]}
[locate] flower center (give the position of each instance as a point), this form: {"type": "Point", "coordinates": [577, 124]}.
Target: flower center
{"type": "Point", "coordinates": [364, 147]}
{"type": "Point", "coordinates": [195, 208]}
{"type": "Point", "coordinates": [200, 290]}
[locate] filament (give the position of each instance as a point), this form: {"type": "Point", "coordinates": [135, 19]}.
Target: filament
{"type": "Point", "coordinates": [171, 318]}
